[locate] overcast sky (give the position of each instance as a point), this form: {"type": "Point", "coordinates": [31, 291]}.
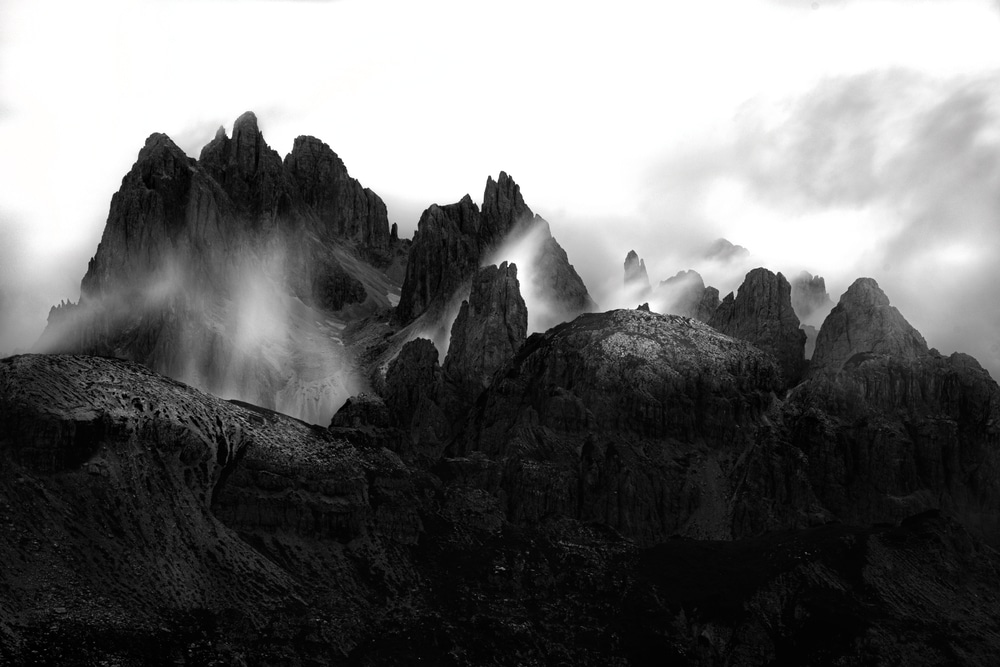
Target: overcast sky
{"type": "Point", "coordinates": [845, 138]}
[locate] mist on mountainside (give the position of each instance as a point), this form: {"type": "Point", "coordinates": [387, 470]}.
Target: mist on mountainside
{"type": "Point", "coordinates": [241, 335]}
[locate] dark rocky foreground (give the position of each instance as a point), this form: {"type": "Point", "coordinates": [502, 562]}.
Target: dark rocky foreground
{"type": "Point", "coordinates": [510, 478]}
{"type": "Point", "coordinates": [146, 522]}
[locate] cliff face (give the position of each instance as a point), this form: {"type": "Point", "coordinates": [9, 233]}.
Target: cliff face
{"type": "Point", "coordinates": [452, 241]}
{"type": "Point", "coordinates": [888, 437]}
{"type": "Point", "coordinates": [491, 326]}
{"type": "Point", "coordinates": [445, 252]}
{"type": "Point", "coordinates": [343, 209]}
{"type": "Point", "coordinates": [621, 417]}
{"type": "Point", "coordinates": [237, 201]}
{"type": "Point", "coordinates": [235, 272]}
{"type": "Point", "coordinates": [761, 313]}
{"type": "Point", "coordinates": [891, 428]}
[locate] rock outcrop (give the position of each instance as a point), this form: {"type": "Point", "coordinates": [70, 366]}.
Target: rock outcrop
{"type": "Point", "coordinates": [445, 253]}
{"type": "Point", "coordinates": [810, 299]}
{"type": "Point", "coordinates": [636, 278]}
{"type": "Point", "coordinates": [685, 294]}
{"type": "Point", "coordinates": [490, 328]}
{"type": "Point", "coordinates": [503, 210]}
{"type": "Point", "coordinates": [887, 437]}
{"type": "Point", "coordinates": [761, 313]}
{"type": "Point", "coordinates": [249, 171]}
{"type": "Point", "coordinates": [233, 272]}
{"type": "Point", "coordinates": [452, 241]}
{"type": "Point", "coordinates": [413, 396]}
{"type": "Point", "coordinates": [864, 323]}
{"type": "Point", "coordinates": [362, 411]}
{"type": "Point", "coordinates": [621, 417]}
{"type": "Point", "coordinates": [344, 209]}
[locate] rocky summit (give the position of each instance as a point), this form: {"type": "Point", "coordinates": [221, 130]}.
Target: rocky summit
{"type": "Point", "coordinates": [273, 432]}
{"type": "Point", "coordinates": [864, 323]}
{"type": "Point", "coordinates": [761, 313]}
{"type": "Point", "coordinates": [636, 279]}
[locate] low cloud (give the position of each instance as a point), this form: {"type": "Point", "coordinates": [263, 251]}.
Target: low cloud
{"type": "Point", "coordinates": [889, 174]}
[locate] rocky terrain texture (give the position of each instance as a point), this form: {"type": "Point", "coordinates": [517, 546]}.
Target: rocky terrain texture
{"type": "Point", "coordinates": [620, 418]}
{"type": "Point", "coordinates": [630, 488]}
{"type": "Point", "coordinates": [617, 488]}
{"type": "Point", "coordinates": [761, 313]}
{"type": "Point", "coordinates": [892, 428]}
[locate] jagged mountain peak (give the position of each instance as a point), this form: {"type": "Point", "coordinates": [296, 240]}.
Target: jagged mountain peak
{"type": "Point", "coordinates": [761, 313]}
{"type": "Point", "coordinates": [865, 322]}
{"type": "Point", "coordinates": [246, 123]}
{"type": "Point", "coordinates": [635, 273]}
{"type": "Point", "coordinates": [503, 209]}
{"type": "Point", "coordinates": [865, 291]}
{"type": "Point", "coordinates": [453, 240]}
{"type": "Point", "coordinates": [491, 326]}
{"type": "Point", "coordinates": [159, 140]}
{"type": "Point", "coordinates": [207, 270]}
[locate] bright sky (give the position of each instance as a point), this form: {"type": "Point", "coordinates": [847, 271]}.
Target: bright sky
{"type": "Point", "coordinates": [844, 137]}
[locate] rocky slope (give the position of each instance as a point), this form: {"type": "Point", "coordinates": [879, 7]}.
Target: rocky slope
{"type": "Point", "coordinates": [141, 513]}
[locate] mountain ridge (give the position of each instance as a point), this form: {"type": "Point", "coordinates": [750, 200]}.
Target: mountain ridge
{"type": "Point", "coordinates": [488, 471]}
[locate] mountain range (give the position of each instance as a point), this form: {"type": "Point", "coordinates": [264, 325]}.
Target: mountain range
{"type": "Point", "coordinates": [272, 432]}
